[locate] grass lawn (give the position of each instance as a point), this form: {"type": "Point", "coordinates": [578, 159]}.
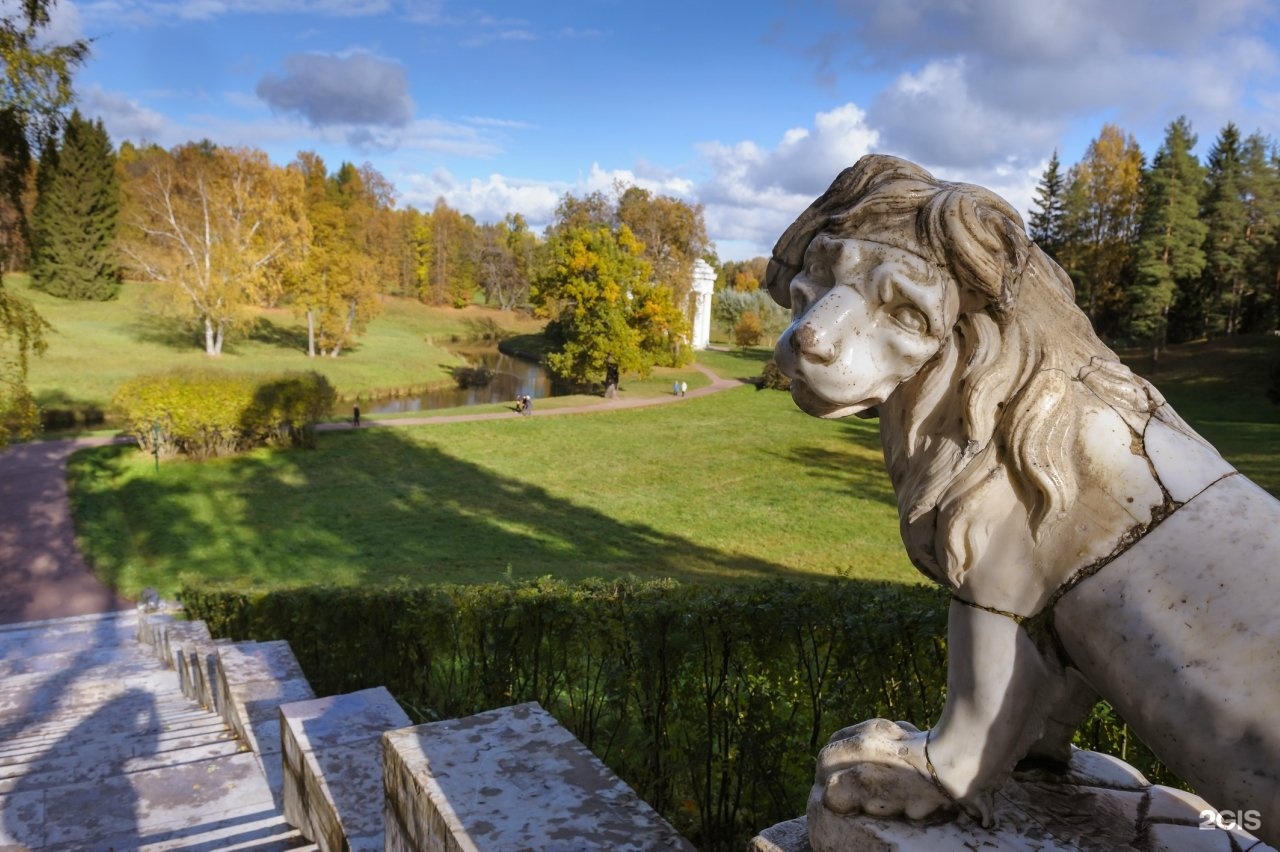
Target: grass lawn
{"type": "Point", "coordinates": [739, 485]}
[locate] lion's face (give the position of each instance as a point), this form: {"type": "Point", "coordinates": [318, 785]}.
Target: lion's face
{"type": "Point", "coordinates": [866, 317]}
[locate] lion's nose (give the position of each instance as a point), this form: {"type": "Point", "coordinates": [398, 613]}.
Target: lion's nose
{"type": "Point", "coordinates": [813, 345]}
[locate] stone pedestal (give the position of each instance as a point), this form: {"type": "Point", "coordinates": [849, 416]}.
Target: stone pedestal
{"type": "Point", "coordinates": [1100, 805]}
{"type": "Point", "coordinates": [510, 779]}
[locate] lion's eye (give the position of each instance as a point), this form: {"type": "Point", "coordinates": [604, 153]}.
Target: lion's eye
{"type": "Point", "coordinates": [910, 318]}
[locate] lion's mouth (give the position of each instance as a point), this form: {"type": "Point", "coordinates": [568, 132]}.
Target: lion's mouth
{"type": "Point", "coordinates": [813, 403]}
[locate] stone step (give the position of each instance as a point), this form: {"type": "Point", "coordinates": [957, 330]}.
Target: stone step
{"type": "Point", "coordinates": [170, 711]}
{"type": "Point", "coordinates": [261, 832]}
{"type": "Point", "coordinates": [62, 662]}
{"type": "Point", "coordinates": [60, 635]}
{"type": "Point", "coordinates": [95, 759]}
{"type": "Point", "coordinates": [332, 761]}
{"type": "Point", "coordinates": [53, 699]}
{"type": "Point", "coordinates": [137, 807]}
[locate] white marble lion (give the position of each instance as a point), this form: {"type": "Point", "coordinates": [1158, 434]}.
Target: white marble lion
{"type": "Point", "coordinates": [1095, 545]}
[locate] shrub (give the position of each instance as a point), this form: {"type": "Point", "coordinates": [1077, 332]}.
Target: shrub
{"type": "Point", "coordinates": [748, 331]}
{"type": "Point", "coordinates": [205, 413]}
{"type": "Point", "coordinates": [772, 378]}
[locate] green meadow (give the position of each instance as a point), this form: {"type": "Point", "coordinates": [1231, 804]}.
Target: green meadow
{"type": "Point", "coordinates": [738, 485]}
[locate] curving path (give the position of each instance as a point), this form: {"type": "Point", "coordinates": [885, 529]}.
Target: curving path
{"type": "Point", "coordinates": [42, 572]}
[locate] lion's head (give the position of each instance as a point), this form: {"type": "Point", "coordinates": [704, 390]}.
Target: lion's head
{"type": "Point", "coordinates": [924, 302]}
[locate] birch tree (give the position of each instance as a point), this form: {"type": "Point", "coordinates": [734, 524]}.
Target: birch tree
{"type": "Point", "coordinates": [220, 227]}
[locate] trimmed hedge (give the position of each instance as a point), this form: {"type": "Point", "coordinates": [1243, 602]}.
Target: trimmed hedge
{"type": "Point", "coordinates": [711, 702]}
{"type": "Point", "coordinates": [204, 413]}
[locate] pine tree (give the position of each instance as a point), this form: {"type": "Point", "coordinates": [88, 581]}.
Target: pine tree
{"type": "Point", "coordinates": [1170, 253]}
{"type": "Point", "coordinates": [1048, 220]}
{"type": "Point", "coordinates": [1260, 189]}
{"type": "Point", "coordinates": [77, 215]}
{"type": "Point", "coordinates": [1227, 252]}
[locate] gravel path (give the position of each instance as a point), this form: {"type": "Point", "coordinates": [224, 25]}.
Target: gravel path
{"type": "Point", "coordinates": [42, 572]}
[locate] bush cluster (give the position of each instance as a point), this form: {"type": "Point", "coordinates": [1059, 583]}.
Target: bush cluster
{"type": "Point", "coordinates": [205, 413]}
{"type": "Point", "coordinates": [711, 702]}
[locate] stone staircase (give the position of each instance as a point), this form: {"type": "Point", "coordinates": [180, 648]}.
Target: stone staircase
{"type": "Point", "coordinates": [100, 749]}
{"type": "Point", "coordinates": [137, 730]}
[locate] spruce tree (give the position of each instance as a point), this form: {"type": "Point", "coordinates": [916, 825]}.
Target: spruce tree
{"type": "Point", "coordinates": [76, 216]}
{"type": "Point", "coordinates": [1048, 221]}
{"type": "Point", "coordinates": [1170, 254]}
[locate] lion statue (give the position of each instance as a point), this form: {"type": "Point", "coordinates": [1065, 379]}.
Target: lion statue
{"type": "Point", "coordinates": [1095, 545]}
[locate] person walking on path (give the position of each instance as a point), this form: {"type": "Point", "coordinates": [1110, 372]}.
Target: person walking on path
{"type": "Point", "coordinates": [684, 388]}
{"type": "Point", "coordinates": [355, 416]}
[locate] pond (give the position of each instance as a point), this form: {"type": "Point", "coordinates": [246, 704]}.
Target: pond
{"type": "Point", "coordinates": [510, 377]}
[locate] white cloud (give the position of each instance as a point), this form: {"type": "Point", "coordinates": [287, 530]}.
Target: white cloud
{"type": "Point", "coordinates": [487, 200]}
{"type": "Point", "coordinates": [142, 12]}
{"type": "Point", "coordinates": [123, 117]}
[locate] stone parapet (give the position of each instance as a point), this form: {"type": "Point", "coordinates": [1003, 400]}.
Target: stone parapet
{"type": "Point", "coordinates": [512, 778]}
{"type": "Point", "coordinates": [333, 789]}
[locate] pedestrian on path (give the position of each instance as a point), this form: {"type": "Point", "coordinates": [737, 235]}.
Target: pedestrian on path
{"type": "Point", "coordinates": [684, 388]}
{"type": "Point", "coordinates": [355, 415]}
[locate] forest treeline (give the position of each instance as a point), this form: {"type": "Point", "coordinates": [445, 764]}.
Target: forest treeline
{"type": "Point", "coordinates": [1171, 250]}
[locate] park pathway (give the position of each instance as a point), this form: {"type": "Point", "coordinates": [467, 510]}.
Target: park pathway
{"type": "Point", "coordinates": [44, 575]}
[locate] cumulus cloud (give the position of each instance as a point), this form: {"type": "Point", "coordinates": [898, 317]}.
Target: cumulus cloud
{"type": "Point", "coordinates": [1004, 77]}
{"type": "Point", "coordinates": [355, 89]}
{"type": "Point", "coordinates": [488, 200]}
{"type": "Point", "coordinates": [123, 117]}
{"type": "Point", "coordinates": [754, 193]}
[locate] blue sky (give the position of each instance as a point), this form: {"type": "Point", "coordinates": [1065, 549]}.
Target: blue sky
{"type": "Point", "coordinates": [748, 108]}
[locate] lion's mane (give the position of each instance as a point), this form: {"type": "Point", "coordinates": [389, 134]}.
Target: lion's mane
{"type": "Point", "coordinates": [1008, 392]}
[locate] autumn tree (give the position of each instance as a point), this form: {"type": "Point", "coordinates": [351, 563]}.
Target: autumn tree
{"type": "Point", "coordinates": [1048, 218]}
{"type": "Point", "coordinates": [504, 261]}
{"type": "Point", "coordinates": [36, 86]}
{"type": "Point", "coordinates": [1170, 247]}
{"type": "Point", "coordinates": [606, 313]}
{"type": "Point", "coordinates": [222, 228]}
{"type": "Point", "coordinates": [743, 275]}
{"type": "Point", "coordinates": [76, 216]}
{"type": "Point", "coordinates": [672, 231]}
{"type": "Point", "coordinates": [1103, 212]}
{"type": "Point", "coordinates": [449, 246]}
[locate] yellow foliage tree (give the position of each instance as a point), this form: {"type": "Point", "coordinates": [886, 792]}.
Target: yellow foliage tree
{"type": "Point", "coordinates": [220, 227]}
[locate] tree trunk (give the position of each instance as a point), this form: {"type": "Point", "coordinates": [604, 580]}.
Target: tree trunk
{"type": "Point", "coordinates": [311, 333]}
{"type": "Point", "coordinates": [210, 343]}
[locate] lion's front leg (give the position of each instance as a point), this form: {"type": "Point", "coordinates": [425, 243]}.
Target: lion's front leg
{"type": "Point", "coordinates": [999, 688]}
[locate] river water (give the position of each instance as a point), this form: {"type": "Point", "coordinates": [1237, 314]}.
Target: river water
{"type": "Point", "coordinates": [512, 377]}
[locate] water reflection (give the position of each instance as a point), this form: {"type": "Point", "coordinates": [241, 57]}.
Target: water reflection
{"type": "Point", "coordinates": [511, 377]}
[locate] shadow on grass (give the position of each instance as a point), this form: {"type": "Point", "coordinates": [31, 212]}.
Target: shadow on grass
{"type": "Point", "coordinates": [291, 337]}
{"type": "Point", "coordinates": [387, 509]}
{"type": "Point", "coordinates": [849, 471]}
{"type": "Point", "coordinates": [169, 332]}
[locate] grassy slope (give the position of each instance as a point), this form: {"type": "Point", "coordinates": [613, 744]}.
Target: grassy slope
{"type": "Point", "coordinates": [96, 346]}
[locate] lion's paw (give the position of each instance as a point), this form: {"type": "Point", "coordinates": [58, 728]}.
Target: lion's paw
{"type": "Point", "coordinates": [878, 768]}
